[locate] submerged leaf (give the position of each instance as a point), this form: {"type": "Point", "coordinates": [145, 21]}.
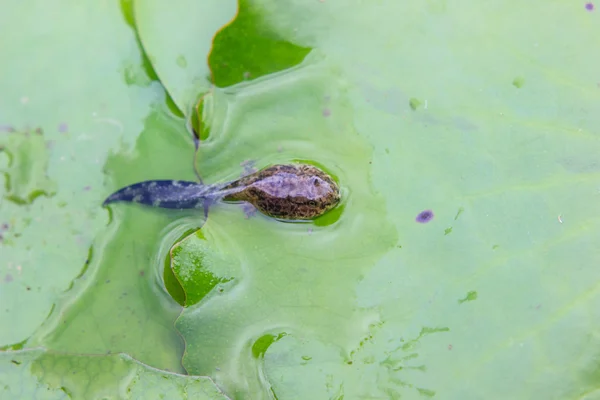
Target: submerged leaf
{"type": "Point", "coordinates": [39, 374]}
{"type": "Point", "coordinates": [200, 263]}
{"type": "Point", "coordinates": [25, 174]}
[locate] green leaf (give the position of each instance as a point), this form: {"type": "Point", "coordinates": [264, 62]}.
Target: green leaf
{"type": "Point", "coordinates": [496, 296]}
{"type": "Point", "coordinates": [39, 374]}
{"type": "Point", "coordinates": [75, 277]}
{"type": "Point", "coordinates": [248, 49]}
{"type": "Point", "coordinates": [177, 40]}
{"type": "Point", "coordinates": [501, 167]}
{"type": "Point", "coordinates": [200, 267]}
{"type": "Point", "coordinates": [71, 85]}
{"type": "Point", "coordinates": [25, 175]}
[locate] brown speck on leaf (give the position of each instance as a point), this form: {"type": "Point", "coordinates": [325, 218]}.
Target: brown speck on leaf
{"type": "Point", "coordinates": [142, 273]}
{"type": "Point", "coordinates": [28, 288]}
{"type": "Point", "coordinates": [38, 131]}
{"type": "Point", "coordinates": [8, 278]}
{"type": "Point", "coordinates": [449, 347]}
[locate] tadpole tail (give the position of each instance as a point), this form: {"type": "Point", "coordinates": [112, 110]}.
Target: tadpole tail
{"type": "Point", "coordinates": [163, 194]}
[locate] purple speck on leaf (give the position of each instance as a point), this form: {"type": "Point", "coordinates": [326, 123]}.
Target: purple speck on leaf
{"type": "Point", "coordinates": [63, 127]}
{"type": "Point", "coordinates": [8, 278]}
{"type": "Point", "coordinates": [326, 112]}
{"type": "Point", "coordinates": [87, 188]}
{"type": "Point", "coordinates": [589, 6]}
{"type": "Point", "coordinates": [424, 217]}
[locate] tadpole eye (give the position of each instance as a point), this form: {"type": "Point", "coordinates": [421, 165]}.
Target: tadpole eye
{"type": "Point", "coordinates": [316, 182]}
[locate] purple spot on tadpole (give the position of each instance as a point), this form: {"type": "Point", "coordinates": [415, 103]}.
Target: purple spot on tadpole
{"type": "Point", "coordinates": [589, 6]}
{"type": "Point", "coordinates": [424, 217]}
